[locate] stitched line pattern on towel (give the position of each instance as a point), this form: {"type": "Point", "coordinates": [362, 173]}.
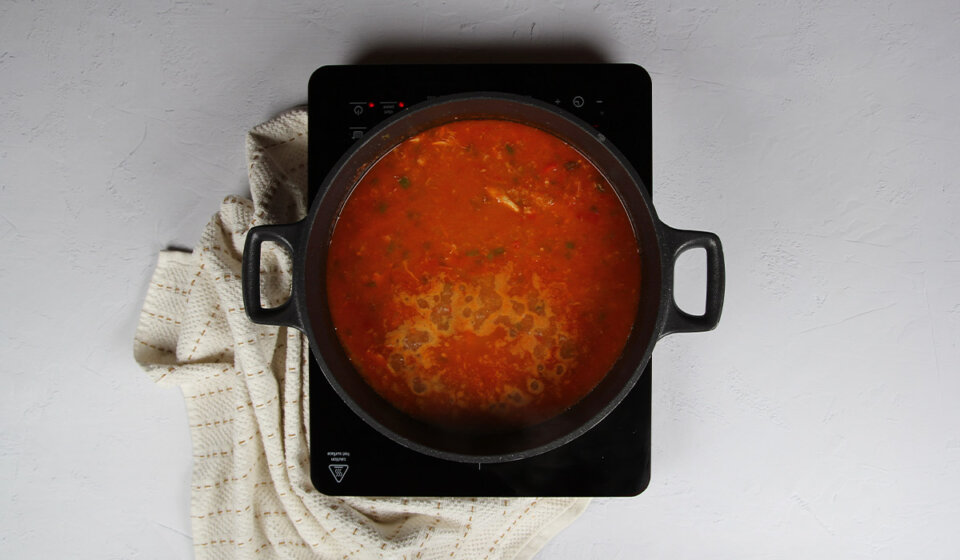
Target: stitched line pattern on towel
{"type": "Point", "coordinates": [254, 341]}
{"type": "Point", "coordinates": [351, 553]}
{"type": "Point", "coordinates": [296, 168]}
{"type": "Point", "coordinates": [210, 393]}
{"type": "Point", "coordinates": [218, 358]}
{"type": "Point", "coordinates": [170, 370]}
{"type": "Point", "coordinates": [428, 534]}
{"type": "Point", "coordinates": [162, 317]}
{"type": "Point", "coordinates": [245, 203]}
{"type": "Point", "coordinates": [258, 405]}
{"type": "Point", "coordinates": [216, 423]}
{"type": "Point", "coordinates": [199, 272]}
{"type": "Point", "coordinates": [219, 249]}
{"type": "Point", "coordinates": [266, 147]}
{"type": "Point", "coordinates": [213, 316]}
{"type": "Point", "coordinates": [287, 543]}
{"type": "Point", "coordinates": [214, 454]}
{"type": "Point", "coordinates": [244, 476]}
{"type": "Point", "coordinates": [225, 541]}
{"type": "Point", "coordinates": [466, 531]}
{"type": "Point", "coordinates": [510, 528]}
{"type": "Point", "coordinates": [269, 190]}
{"type": "Point", "coordinates": [251, 437]}
{"type": "Point", "coordinates": [239, 511]}
{"type": "Point", "coordinates": [173, 289]}
{"type": "Point", "coordinates": [272, 183]}
{"type": "Point", "coordinates": [157, 348]}
{"type": "Point", "coordinates": [242, 201]}
{"type": "Point", "coordinates": [263, 271]}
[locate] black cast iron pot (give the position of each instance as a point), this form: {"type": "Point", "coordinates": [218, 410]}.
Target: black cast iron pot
{"type": "Point", "coordinates": [307, 310]}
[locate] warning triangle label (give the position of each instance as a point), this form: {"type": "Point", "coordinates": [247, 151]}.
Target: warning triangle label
{"type": "Point", "coordinates": [338, 470]}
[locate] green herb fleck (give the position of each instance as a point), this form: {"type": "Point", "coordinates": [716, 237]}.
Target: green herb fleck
{"type": "Point", "coordinates": [599, 186]}
{"type": "Point", "coordinates": [473, 253]}
{"type": "Point", "coordinates": [381, 207]}
{"type": "Point", "coordinates": [391, 247]}
{"type": "Point", "coordinates": [371, 284]}
{"type": "Point", "coordinates": [404, 182]}
{"type": "Point", "coordinates": [495, 252]}
{"type": "Point", "coordinates": [508, 148]}
{"type": "Point", "coordinates": [571, 165]}
{"type": "Point", "coordinates": [594, 209]}
{"type": "Point", "coordinates": [570, 244]}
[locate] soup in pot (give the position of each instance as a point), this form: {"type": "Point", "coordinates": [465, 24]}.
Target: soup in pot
{"type": "Point", "coordinates": [483, 275]}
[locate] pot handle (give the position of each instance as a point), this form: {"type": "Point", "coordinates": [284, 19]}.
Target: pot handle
{"type": "Point", "coordinates": [676, 241]}
{"type": "Point", "coordinates": [286, 314]}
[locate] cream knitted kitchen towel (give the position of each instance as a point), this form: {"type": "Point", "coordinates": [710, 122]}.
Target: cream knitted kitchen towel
{"type": "Point", "coordinates": [246, 395]}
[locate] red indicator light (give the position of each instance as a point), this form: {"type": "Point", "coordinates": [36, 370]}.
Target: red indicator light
{"type": "Point", "coordinates": [370, 104]}
{"type": "Point", "coordinates": [400, 104]}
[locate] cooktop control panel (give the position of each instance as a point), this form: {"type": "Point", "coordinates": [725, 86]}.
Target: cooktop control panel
{"type": "Point", "coordinates": [613, 98]}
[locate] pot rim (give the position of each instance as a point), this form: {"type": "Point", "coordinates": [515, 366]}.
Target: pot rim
{"type": "Point", "coordinates": [389, 124]}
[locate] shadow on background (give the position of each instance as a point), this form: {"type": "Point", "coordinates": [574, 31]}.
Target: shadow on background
{"type": "Point", "coordinates": [417, 51]}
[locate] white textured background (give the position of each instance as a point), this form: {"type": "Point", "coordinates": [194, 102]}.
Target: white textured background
{"type": "Point", "coordinates": [820, 140]}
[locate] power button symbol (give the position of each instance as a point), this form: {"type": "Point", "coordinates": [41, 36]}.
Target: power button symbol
{"type": "Point", "coordinates": [578, 101]}
{"type": "Point", "coordinates": [357, 110]}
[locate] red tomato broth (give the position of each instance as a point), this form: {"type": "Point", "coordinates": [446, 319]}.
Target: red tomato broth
{"type": "Point", "coordinates": [483, 275]}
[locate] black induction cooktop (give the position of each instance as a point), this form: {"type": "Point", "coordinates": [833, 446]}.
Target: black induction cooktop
{"type": "Point", "coordinates": [350, 458]}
